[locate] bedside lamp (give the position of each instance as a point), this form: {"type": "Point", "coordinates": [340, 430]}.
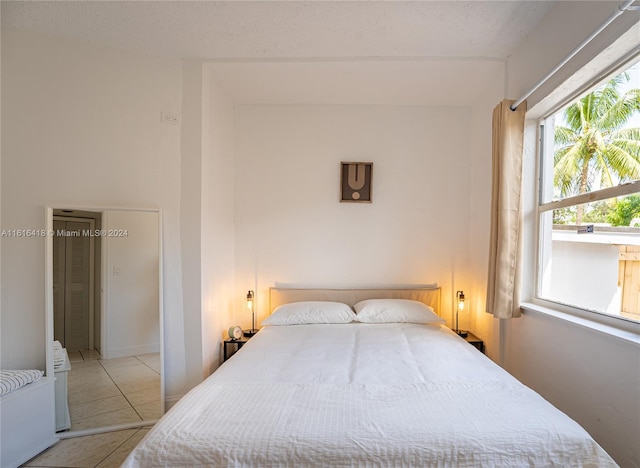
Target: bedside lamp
{"type": "Point", "coordinates": [250, 302]}
{"type": "Point", "coordinates": [459, 307]}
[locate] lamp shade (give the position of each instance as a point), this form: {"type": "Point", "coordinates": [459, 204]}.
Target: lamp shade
{"type": "Point", "coordinates": [460, 302]}
{"type": "Point", "coordinates": [250, 306]}
{"type": "Point", "coordinates": [250, 300]}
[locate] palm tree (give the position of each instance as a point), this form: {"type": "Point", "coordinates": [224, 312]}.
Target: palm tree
{"type": "Point", "coordinates": [594, 147]}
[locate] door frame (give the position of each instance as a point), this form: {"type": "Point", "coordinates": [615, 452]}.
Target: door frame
{"type": "Point", "coordinates": [103, 279]}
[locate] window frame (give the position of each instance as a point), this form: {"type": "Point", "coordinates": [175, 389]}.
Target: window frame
{"type": "Point", "coordinates": [612, 324]}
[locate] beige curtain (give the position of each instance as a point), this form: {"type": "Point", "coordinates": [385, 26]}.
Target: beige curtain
{"type": "Point", "coordinates": [503, 294]}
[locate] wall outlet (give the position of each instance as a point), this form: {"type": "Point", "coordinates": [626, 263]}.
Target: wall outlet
{"type": "Point", "coordinates": [170, 118]}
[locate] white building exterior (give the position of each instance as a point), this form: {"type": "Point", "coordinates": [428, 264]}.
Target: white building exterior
{"type": "Point", "coordinates": [582, 269]}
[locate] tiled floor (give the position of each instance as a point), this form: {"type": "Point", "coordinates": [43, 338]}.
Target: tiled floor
{"type": "Point", "coordinates": [105, 392]}
{"type": "Point", "coordinates": [99, 450]}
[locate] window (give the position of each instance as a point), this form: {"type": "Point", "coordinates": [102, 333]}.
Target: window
{"type": "Point", "coordinates": [589, 200]}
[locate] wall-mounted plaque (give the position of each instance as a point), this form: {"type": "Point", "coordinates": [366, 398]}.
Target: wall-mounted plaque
{"type": "Point", "coordinates": [355, 182]}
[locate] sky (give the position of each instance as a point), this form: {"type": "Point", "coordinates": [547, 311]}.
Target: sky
{"type": "Point", "coordinates": [635, 83]}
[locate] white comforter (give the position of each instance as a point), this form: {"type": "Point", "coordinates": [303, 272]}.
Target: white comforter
{"type": "Point", "coordinates": [364, 395]}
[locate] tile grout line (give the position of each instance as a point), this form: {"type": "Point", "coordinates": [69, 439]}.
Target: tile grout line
{"type": "Point", "coordinates": [115, 449]}
{"type": "Point", "coordinates": [147, 365]}
{"type": "Point", "coordinates": [122, 393]}
{"type": "Point", "coordinates": [92, 401]}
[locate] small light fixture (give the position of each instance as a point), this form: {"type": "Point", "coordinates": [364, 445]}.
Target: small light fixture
{"type": "Point", "coordinates": [459, 307]}
{"type": "Point", "coordinates": [250, 303]}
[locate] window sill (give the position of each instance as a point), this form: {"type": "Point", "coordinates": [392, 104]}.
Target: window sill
{"type": "Point", "coordinates": [612, 326]}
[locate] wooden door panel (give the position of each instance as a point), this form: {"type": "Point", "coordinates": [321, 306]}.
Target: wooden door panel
{"type": "Point", "coordinates": [77, 286]}
{"type": "Point", "coordinates": [58, 282]}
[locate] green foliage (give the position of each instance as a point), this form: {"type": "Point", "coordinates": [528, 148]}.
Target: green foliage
{"type": "Point", "coordinates": [598, 212]}
{"type": "Point", "coordinates": [594, 148]}
{"type": "Point", "coordinates": [624, 211]}
{"type": "Point", "coordinates": [564, 216]}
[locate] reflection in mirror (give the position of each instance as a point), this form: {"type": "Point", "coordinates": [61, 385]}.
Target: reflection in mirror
{"type": "Point", "coordinates": [106, 316]}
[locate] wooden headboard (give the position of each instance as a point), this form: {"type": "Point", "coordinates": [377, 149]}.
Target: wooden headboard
{"type": "Point", "coordinates": [427, 295]}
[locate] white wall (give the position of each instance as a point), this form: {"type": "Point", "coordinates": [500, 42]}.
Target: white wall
{"type": "Point", "coordinates": [218, 243]}
{"type": "Point", "coordinates": [291, 226]}
{"type": "Point", "coordinates": [207, 223]}
{"type": "Point", "coordinates": [1, 200]}
{"type": "Point", "coordinates": [192, 147]}
{"type": "Point", "coordinates": [584, 273]}
{"type": "Point", "coordinates": [476, 319]}
{"type": "Point", "coordinates": [132, 269]}
{"type": "Point", "coordinates": [564, 27]}
{"type": "Point", "coordinates": [81, 127]}
{"type": "Point", "coordinates": [589, 375]}
{"type": "Point", "coordinates": [592, 376]}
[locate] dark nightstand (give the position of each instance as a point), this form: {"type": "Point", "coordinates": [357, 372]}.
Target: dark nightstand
{"type": "Point", "coordinates": [475, 341]}
{"type": "Point", "coordinates": [235, 345]}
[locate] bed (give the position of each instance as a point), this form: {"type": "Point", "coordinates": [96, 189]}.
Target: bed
{"type": "Point", "coordinates": [394, 388]}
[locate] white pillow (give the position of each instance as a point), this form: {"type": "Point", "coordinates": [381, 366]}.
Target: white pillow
{"type": "Point", "coordinates": [297, 313]}
{"type": "Point", "coordinates": [395, 310]}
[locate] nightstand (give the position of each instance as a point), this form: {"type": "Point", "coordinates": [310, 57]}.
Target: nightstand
{"type": "Point", "coordinates": [231, 346]}
{"type": "Point", "coordinates": [475, 341]}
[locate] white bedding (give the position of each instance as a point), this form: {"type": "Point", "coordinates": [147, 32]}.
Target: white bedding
{"type": "Point", "coordinates": [364, 395]}
{"type": "Point", "coordinates": [12, 380]}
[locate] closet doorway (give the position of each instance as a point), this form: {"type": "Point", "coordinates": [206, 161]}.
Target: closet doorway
{"type": "Point", "coordinates": [75, 264]}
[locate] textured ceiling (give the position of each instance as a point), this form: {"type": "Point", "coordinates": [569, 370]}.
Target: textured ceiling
{"type": "Point", "coordinates": [289, 29]}
{"type": "Point", "coordinates": [374, 52]}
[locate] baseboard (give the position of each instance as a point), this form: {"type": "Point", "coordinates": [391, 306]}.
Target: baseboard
{"type": "Point", "coordinates": [130, 351]}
